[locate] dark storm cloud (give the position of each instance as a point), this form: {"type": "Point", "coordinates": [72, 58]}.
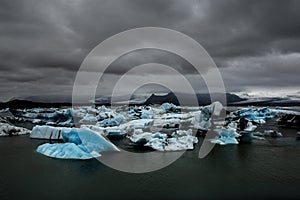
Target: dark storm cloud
{"type": "Point", "coordinates": [42, 43]}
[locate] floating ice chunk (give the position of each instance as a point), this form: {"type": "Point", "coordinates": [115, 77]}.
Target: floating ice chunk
{"type": "Point", "coordinates": [69, 123]}
{"type": "Point", "coordinates": [70, 135]}
{"type": "Point", "coordinates": [157, 143]}
{"type": "Point", "coordinates": [108, 122]}
{"type": "Point", "coordinates": [7, 129]}
{"type": "Point", "coordinates": [226, 136]}
{"type": "Point", "coordinates": [145, 116]}
{"type": "Point", "coordinates": [141, 123]}
{"type": "Point", "coordinates": [93, 141]}
{"type": "Point", "coordinates": [255, 114]}
{"type": "Point", "coordinates": [250, 127]}
{"type": "Point", "coordinates": [88, 118]}
{"type": "Point", "coordinates": [272, 133]}
{"type": "Point", "coordinates": [62, 117]}
{"type": "Point", "coordinates": [202, 119]}
{"type": "Point", "coordinates": [284, 111]}
{"type": "Point", "coordinates": [65, 151]}
{"type": "Point", "coordinates": [4, 110]}
{"type": "Point", "coordinates": [142, 138]}
{"type": "Point", "coordinates": [181, 143]}
{"type": "Point", "coordinates": [169, 107]}
{"type": "Point", "coordinates": [140, 112]}
{"type": "Point", "coordinates": [47, 132]}
{"type": "Point", "coordinates": [181, 140]}
{"type": "Point", "coordinates": [80, 143]}
{"type": "Point", "coordinates": [168, 121]}
{"type": "Point", "coordinates": [111, 132]}
{"type": "Point", "coordinates": [216, 108]}
{"type": "Point", "coordinates": [37, 121]}
{"type": "Point", "coordinates": [116, 121]}
{"type": "Point", "coordinates": [232, 125]}
{"type": "Point", "coordinates": [137, 138]}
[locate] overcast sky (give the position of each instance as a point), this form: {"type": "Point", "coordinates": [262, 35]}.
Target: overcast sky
{"type": "Point", "coordinates": [255, 43]}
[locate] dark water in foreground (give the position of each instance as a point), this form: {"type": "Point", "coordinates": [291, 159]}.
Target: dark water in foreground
{"type": "Point", "coordinates": [263, 169]}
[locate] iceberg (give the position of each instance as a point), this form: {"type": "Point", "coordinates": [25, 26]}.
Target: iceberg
{"type": "Point", "coordinates": [169, 107]}
{"type": "Point", "coordinates": [47, 132]}
{"type": "Point", "coordinates": [116, 121]}
{"type": "Point", "coordinates": [250, 127]}
{"type": "Point", "coordinates": [180, 140]}
{"type": "Point", "coordinates": [140, 123]}
{"type": "Point", "coordinates": [88, 118]}
{"type": "Point", "coordinates": [226, 136]}
{"type": "Point", "coordinates": [62, 117]}
{"type": "Point", "coordinates": [141, 112]}
{"type": "Point", "coordinates": [65, 151]}
{"type": "Point", "coordinates": [80, 143]}
{"type": "Point", "coordinates": [202, 119]}
{"type": "Point", "coordinates": [140, 137]}
{"type": "Point", "coordinates": [258, 115]}
{"type": "Point", "coordinates": [272, 133]}
{"type": "Point", "coordinates": [93, 141]}
{"type": "Point", "coordinates": [7, 129]}
{"type": "Point", "coordinates": [168, 121]}
{"type": "Point", "coordinates": [111, 132]}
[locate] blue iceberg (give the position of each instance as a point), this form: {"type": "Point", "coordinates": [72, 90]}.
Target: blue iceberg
{"type": "Point", "coordinates": [56, 117]}
{"type": "Point", "coordinates": [81, 143]}
{"type": "Point", "coordinates": [65, 151]}
{"type": "Point", "coordinates": [255, 114]}
{"type": "Point", "coordinates": [226, 136]}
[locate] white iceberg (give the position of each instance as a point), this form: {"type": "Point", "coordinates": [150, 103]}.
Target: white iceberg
{"type": "Point", "coordinates": [167, 121]}
{"type": "Point", "coordinates": [7, 129]}
{"type": "Point", "coordinates": [115, 121]}
{"type": "Point", "coordinates": [272, 133]}
{"type": "Point", "coordinates": [250, 127]}
{"type": "Point", "coordinates": [140, 123]}
{"type": "Point", "coordinates": [180, 140]}
{"type": "Point", "coordinates": [112, 132]}
{"type": "Point", "coordinates": [202, 118]}
{"type": "Point", "coordinates": [88, 118]}
{"type": "Point", "coordinates": [47, 132]}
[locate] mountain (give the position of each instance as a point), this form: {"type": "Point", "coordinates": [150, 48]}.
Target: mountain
{"type": "Point", "coordinates": [21, 104]}
{"type": "Point", "coordinates": [203, 99]}
{"type": "Point", "coordinates": [46, 98]}
{"type": "Point", "coordinates": [159, 99]}
{"type": "Point", "coordinates": [268, 101]}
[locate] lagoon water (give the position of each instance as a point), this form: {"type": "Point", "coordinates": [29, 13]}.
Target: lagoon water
{"type": "Point", "coordinates": [263, 169]}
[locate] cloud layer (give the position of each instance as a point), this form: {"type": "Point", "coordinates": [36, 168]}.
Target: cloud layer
{"type": "Point", "coordinates": [256, 43]}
